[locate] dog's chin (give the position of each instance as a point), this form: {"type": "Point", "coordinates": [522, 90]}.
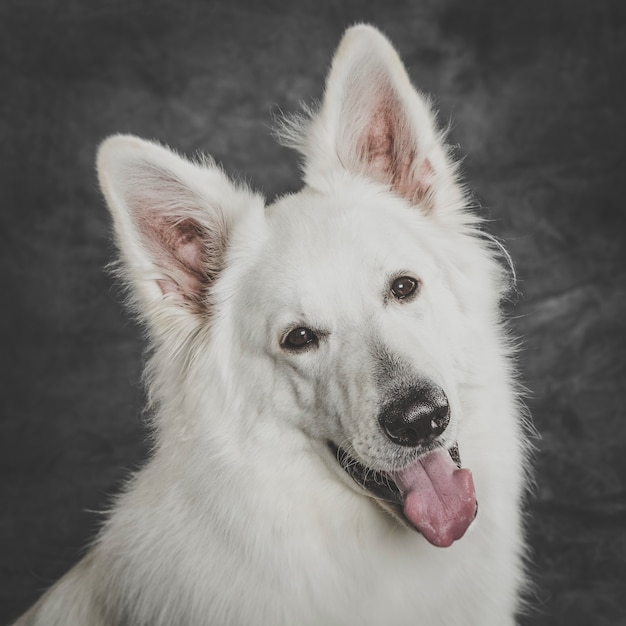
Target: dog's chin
{"type": "Point", "coordinates": [380, 485]}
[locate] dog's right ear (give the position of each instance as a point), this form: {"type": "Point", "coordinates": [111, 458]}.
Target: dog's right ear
{"type": "Point", "coordinates": [373, 123]}
{"type": "Point", "coordinates": [172, 223]}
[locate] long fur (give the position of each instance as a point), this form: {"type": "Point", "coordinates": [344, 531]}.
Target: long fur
{"type": "Point", "coordinates": [243, 515]}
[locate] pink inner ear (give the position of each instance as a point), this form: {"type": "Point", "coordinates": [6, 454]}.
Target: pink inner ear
{"type": "Point", "coordinates": [179, 248]}
{"type": "Point", "coordinates": [387, 149]}
{"type": "Point", "coordinates": [186, 243]}
{"type": "Point", "coordinates": [185, 239]}
{"type": "Point", "coordinates": [378, 150]}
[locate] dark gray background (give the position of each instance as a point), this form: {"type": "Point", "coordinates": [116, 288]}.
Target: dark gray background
{"type": "Point", "coordinates": [536, 94]}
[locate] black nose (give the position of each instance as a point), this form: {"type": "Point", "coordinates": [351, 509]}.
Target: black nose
{"type": "Point", "coordinates": [418, 417]}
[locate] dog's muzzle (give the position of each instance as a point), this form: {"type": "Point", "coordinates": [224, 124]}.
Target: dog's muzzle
{"type": "Point", "coordinates": [432, 493]}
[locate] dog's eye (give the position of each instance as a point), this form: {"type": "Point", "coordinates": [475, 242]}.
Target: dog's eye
{"type": "Point", "coordinates": [300, 338]}
{"type": "Point", "coordinates": [404, 287]}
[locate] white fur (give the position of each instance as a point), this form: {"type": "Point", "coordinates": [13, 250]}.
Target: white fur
{"type": "Point", "coordinates": [242, 516]}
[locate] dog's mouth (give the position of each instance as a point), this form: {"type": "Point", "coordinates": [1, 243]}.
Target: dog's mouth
{"type": "Point", "coordinates": [433, 495]}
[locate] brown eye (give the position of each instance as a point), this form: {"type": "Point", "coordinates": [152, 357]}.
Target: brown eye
{"type": "Point", "coordinates": [299, 339]}
{"type": "Point", "coordinates": [403, 287]}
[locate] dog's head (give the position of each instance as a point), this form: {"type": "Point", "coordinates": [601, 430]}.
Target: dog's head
{"type": "Point", "coordinates": [347, 310]}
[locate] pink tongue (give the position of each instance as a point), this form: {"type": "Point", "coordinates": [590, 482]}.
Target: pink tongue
{"type": "Point", "coordinates": [439, 498]}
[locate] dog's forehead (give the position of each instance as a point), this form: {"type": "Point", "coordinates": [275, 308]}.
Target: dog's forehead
{"type": "Point", "coordinates": [356, 232]}
{"type": "Point", "coordinates": [339, 251]}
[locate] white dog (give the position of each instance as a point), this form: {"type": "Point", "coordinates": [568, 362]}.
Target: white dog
{"type": "Point", "coordinates": [337, 435]}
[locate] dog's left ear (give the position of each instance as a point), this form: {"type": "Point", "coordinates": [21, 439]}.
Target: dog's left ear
{"type": "Point", "coordinates": [173, 220]}
{"type": "Point", "coordinates": [374, 123]}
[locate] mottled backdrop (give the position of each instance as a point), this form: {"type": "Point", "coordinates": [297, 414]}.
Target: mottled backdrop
{"type": "Point", "coordinates": [536, 98]}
